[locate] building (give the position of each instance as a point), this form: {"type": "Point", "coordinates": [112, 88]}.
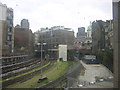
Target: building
{"type": "Point", "coordinates": [98, 36]}
{"type": "Point", "coordinates": [60, 28]}
{"type": "Point", "coordinates": [109, 34]}
{"type": "Point", "coordinates": [57, 28]}
{"type": "Point", "coordinates": [25, 24]}
{"type": "Point", "coordinates": [23, 40]}
{"type": "Point", "coordinates": [6, 29]}
{"type": "Point", "coordinates": [10, 39]}
{"type": "Point", "coordinates": [3, 10]}
{"type": "Point", "coordinates": [36, 36]}
{"type": "Point", "coordinates": [3, 23]}
{"type": "Point", "coordinates": [102, 35]}
{"type": "Point", "coordinates": [84, 39]}
{"type": "Point", "coordinates": [83, 43]}
{"type": "Point", "coordinates": [110, 40]}
{"type": "Point", "coordinates": [81, 32]}
{"type": "Point", "coordinates": [53, 37]}
{"type": "Point", "coordinates": [17, 26]}
{"type": "Point", "coordinates": [89, 32]}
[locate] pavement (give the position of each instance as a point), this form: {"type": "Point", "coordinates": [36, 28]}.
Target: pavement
{"type": "Point", "coordinates": [101, 85]}
{"type": "Point", "coordinates": [93, 73]}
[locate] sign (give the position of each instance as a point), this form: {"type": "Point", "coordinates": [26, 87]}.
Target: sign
{"type": "Point", "coordinates": [90, 57]}
{"type": "Point", "coordinates": [63, 52]}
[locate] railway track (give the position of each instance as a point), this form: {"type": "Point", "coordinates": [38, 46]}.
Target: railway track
{"type": "Point", "coordinates": [16, 66]}
{"type": "Point", "coordinates": [26, 75]}
{"type": "Point", "coordinates": [19, 71]}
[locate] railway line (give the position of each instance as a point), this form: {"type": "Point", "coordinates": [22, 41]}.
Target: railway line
{"type": "Point", "coordinates": [21, 70]}
{"type": "Point", "coordinates": [17, 68]}
{"type": "Point", "coordinates": [20, 65]}
{"type": "Point", "coordinates": [26, 75]}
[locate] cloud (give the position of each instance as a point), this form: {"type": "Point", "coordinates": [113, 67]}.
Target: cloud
{"type": "Point", "coordinates": [69, 13]}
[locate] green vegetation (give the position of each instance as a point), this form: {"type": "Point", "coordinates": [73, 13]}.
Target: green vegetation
{"type": "Point", "coordinates": [23, 74]}
{"type": "Point", "coordinates": [106, 58]}
{"type": "Point", "coordinates": [57, 70]}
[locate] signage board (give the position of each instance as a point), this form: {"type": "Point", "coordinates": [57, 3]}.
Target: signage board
{"type": "Point", "coordinates": [90, 57]}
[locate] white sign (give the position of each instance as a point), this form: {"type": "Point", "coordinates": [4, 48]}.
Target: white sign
{"type": "Point", "coordinates": [90, 57]}
{"type": "Point", "coordinates": [63, 52]}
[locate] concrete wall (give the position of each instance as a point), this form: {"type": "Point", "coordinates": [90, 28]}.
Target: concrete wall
{"type": "Point", "coordinates": [3, 15]}
{"type": "Point", "coordinates": [6, 29]}
{"type": "Point", "coordinates": [3, 9]}
{"type": "Point", "coordinates": [0, 37]}
{"type": "Point", "coordinates": [116, 32]}
{"type": "Point", "coordinates": [0, 49]}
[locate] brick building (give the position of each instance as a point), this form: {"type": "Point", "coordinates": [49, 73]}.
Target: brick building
{"type": "Point", "coordinates": [23, 40]}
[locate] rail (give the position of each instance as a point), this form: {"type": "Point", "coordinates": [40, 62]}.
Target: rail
{"type": "Point", "coordinates": [16, 56]}
{"type": "Point", "coordinates": [72, 71]}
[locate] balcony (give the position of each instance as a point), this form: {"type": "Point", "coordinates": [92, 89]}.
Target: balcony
{"type": "Point", "coordinates": [9, 33]}
{"type": "Point", "coordinates": [9, 17]}
{"type": "Point", "coordinates": [9, 42]}
{"type": "Point", "coordinates": [10, 25]}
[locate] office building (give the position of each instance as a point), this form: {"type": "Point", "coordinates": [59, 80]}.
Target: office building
{"type": "Point", "coordinates": [81, 32]}
{"type": "Point", "coordinates": [25, 24]}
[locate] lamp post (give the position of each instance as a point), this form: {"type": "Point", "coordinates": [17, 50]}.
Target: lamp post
{"type": "Point", "coordinates": [41, 54]}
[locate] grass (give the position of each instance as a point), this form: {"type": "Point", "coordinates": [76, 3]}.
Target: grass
{"type": "Point", "coordinates": [23, 74]}
{"type": "Point", "coordinates": [57, 70]}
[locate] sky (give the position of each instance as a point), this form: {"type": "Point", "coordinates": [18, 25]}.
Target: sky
{"type": "Point", "coordinates": [67, 13]}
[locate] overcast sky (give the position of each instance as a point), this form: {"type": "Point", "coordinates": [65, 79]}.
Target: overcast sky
{"type": "Point", "coordinates": [68, 13]}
